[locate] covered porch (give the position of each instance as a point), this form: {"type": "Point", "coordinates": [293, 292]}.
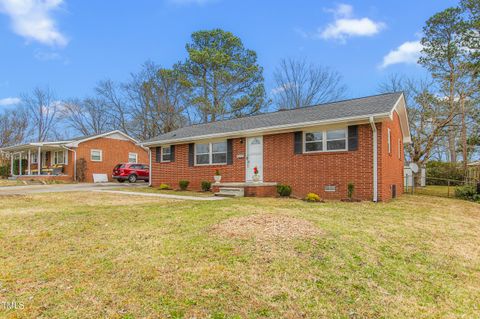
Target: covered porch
{"type": "Point", "coordinates": [39, 161]}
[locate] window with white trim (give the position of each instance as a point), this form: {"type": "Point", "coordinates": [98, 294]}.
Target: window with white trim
{"type": "Point", "coordinates": [166, 153]}
{"type": "Point", "coordinates": [59, 157]}
{"type": "Point", "coordinates": [211, 153]}
{"type": "Point", "coordinates": [34, 158]}
{"type": "Point", "coordinates": [96, 155]}
{"type": "Point", "coordinates": [399, 149]}
{"type": "Point", "coordinates": [325, 141]}
{"type": "Point", "coordinates": [389, 141]}
{"type": "Point", "coordinates": [132, 157]}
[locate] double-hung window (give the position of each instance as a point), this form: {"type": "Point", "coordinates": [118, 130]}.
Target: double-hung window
{"type": "Point", "coordinates": [336, 140]}
{"type": "Point", "coordinates": [34, 158]}
{"type": "Point", "coordinates": [132, 157]}
{"type": "Point", "coordinates": [326, 140]}
{"type": "Point", "coordinates": [96, 155]}
{"type": "Point", "coordinates": [59, 157]}
{"type": "Point", "coordinates": [166, 154]}
{"type": "Point", "coordinates": [211, 153]}
{"type": "Point", "coordinates": [389, 141]}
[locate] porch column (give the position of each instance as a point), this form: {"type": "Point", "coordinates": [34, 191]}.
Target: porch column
{"type": "Point", "coordinates": [20, 155]}
{"type": "Point", "coordinates": [28, 162]}
{"type": "Point", "coordinates": [11, 163]}
{"type": "Point", "coordinates": [39, 160]}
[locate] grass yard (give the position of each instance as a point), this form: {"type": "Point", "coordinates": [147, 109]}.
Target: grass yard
{"type": "Point", "coordinates": [436, 190]}
{"type": "Point", "coordinates": [85, 255]}
{"type": "Point", "coordinates": [6, 182]}
{"type": "Point", "coordinates": [166, 191]}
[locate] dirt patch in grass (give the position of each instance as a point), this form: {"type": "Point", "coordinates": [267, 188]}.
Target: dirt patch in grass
{"type": "Point", "coordinates": [266, 227]}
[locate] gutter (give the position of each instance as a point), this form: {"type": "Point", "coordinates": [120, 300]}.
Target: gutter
{"type": "Point", "coordinates": [268, 129]}
{"type": "Point", "coordinates": [375, 159]}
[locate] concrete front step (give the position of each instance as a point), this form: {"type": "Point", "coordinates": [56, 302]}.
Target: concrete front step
{"type": "Point", "coordinates": [231, 192]}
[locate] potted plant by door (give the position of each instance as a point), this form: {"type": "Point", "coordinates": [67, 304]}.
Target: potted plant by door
{"type": "Point", "coordinates": [217, 177]}
{"type": "Point", "coordinates": [256, 177]}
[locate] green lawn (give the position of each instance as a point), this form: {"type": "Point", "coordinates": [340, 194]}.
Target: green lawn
{"type": "Point", "coordinates": [6, 182]}
{"type": "Point", "coordinates": [155, 190]}
{"type": "Point", "coordinates": [92, 255]}
{"type": "Point", "coordinates": [436, 190]}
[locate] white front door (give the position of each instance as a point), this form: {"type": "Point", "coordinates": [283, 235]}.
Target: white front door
{"type": "Point", "coordinates": [254, 157]}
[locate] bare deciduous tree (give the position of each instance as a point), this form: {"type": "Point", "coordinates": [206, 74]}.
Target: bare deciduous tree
{"type": "Point", "coordinates": [13, 127]}
{"type": "Point", "coordinates": [42, 108]}
{"type": "Point", "coordinates": [88, 116]}
{"type": "Point", "coordinates": [428, 115]}
{"type": "Point", "coordinates": [301, 84]}
{"type": "Point", "coordinates": [156, 100]}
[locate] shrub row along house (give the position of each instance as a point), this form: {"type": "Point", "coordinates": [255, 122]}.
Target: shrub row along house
{"type": "Point", "coordinates": [74, 159]}
{"type": "Point", "coordinates": [317, 149]}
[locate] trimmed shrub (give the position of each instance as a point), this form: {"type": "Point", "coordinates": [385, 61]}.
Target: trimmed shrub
{"type": "Point", "coordinates": [206, 186]}
{"type": "Point", "coordinates": [4, 171]}
{"type": "Point", "coordinates": [468, 193]}
{"type": "Point", "coordinates": [183, 185]}
{"type": "Point", "coordinates": [350, 190]}
{"type": "Point", "coordinates": [164, 186]}
{"type": "Point", "coordinates": [284, 190]}
{"type": "Point", "coordinates": [217, 173]}
{"type": "Point", "coordinates": [312, 198]}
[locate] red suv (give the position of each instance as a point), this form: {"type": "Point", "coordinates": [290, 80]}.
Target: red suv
{"type": "Point", "coordinates": [131, 172]}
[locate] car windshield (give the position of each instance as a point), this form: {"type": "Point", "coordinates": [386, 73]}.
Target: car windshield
{"type": "Point", "coordinates": [119, 166]}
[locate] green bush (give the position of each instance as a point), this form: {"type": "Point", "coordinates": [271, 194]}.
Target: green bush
{"type": "Point", "coordinates": [350, 190]}
{"type": "Point", "coordinates": [312, 197]}
{"type": "Point", "coordinates": [183, 185]}
{"type": "Point", "coordinates": [439, 172]}
{"type": "Point", "coordinates": [206, 186]}
{"type": "Point", "coordinates": [284, 190]}
{"type": "Point", "coordinates": [468, 193]}
{"type": "Point", "coordinates": [164, 186]}
{"type": "Point", "coordinates": [4, 171]}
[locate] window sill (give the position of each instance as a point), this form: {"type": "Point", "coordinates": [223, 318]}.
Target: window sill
{"type": "Point", "coordinates": [326, 152]}
{"type": "Point", "coordinates": [219, 164]}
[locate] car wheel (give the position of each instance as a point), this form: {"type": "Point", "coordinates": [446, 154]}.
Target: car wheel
{"type": "Point", "coordinates": [132, 178]}
{"type": "Point", "coordinates": [120, 180]}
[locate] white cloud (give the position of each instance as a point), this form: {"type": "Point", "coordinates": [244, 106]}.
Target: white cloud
{"type": "Point", "coordinates": [191, 2]}
{"type": "Point", "coordinates": [408, 53]}
{"type": "Point", "coordinates": [283, 88]}
{"type": "Point", "coordinates": [8, 101]}
{"type": "Point", "coordinates": [32, 20]}
{"type": "Point", "coordinates": [345, 25]}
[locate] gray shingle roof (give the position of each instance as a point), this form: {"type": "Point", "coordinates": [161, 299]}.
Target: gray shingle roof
{"type": "Point", "coordinates": [365, 106]}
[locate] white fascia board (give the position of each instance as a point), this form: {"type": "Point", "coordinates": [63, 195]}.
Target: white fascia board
{"type": "Point", "coordinates": [76, 143]}
{"type": "Point", "coordinates": [269, 129]}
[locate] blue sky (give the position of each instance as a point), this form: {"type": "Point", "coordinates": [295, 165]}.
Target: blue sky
{"type": "Point", "coordinates": [70, 45]}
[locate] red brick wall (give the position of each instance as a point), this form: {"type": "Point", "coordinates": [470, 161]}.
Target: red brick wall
{"type": "Point", "coordinates": [304, 172]}
{"type": "Point", "coordinates": [390, 165]}
{"type": "Point", "coordinates": [312, 172]}
{"type": "Point", "coordinates": [172, 172]}
{"type": "Point", "coordinates": [114, 152]}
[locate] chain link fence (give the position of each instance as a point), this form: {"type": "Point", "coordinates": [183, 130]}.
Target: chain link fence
{"type": "Point", "coordinates": [433, 186]}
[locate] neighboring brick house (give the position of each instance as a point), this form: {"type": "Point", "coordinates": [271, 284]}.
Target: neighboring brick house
{"type": "Point", "coordinates": [317, 149]}
{"type": "Point", "coordinates": [59, 159]}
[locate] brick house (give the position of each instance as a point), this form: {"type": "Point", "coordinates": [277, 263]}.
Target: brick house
{"type": "Point", "coordinates": [317, 149]}
{"type": "Point", "coordinates": [58, 160]}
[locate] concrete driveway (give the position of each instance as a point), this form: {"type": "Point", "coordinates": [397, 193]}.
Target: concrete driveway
{"type": "Point", "coordinates": [59, 188]}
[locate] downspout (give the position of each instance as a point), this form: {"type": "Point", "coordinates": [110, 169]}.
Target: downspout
{"type": "Point", "coordinates": [74, 162]}
{"type": "Point", "coordinates": [149, 167]}
{"type": "Point", "coordinates": [375, 160]}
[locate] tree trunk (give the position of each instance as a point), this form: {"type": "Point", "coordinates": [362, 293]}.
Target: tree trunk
{"type": "Point", "coordinates": [464, 134]}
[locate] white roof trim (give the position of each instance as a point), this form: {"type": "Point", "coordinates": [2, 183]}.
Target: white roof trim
{"type": "Point", "coordinates": [75, 143]}
{"type": "Point", "coordinates": [401, 108]}
{"type": "Point", "coordinates": [269, 129]}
